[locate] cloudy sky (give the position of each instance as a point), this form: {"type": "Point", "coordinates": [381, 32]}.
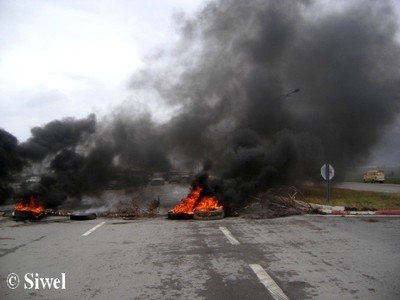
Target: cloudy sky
{"type": "Point", "coordinates": [72, 57]}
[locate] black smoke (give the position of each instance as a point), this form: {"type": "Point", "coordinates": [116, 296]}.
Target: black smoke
{"type": "Point", "coordinates": [10, 163]}
{"type": "Point", "coordinates": [233, 72]}
{"type": "Point", "coordinates": [74, 175]}
{"type": "Point", "coordinates": [55, 136]}
{"type": "Point", "coordinates": [91, 158]}
{"type": "Point", "coordinates": [264, 93]}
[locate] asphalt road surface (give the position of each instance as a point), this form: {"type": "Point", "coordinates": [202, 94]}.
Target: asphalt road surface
{"type": "Point", "coordinates": [301, 257]}
{"type": "Point", "coordinates": [371, 187]}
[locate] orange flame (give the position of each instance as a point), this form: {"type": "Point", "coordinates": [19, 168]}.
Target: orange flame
{"type": "Point", "coordinates": [194, 202]}
{"type": "Point", "coordinates": [32, 207]}
{"type": "Point", "coordinates": [208, 203]}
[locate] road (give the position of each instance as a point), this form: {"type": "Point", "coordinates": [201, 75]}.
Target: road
{"type": "Point", "coordinates": [317, 257]}
{"type": "Point", "coordinates": [370, 187]}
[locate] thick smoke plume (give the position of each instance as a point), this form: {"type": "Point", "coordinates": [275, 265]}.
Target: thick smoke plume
{"type": "Point", "coordinates": [270, 90]}
{"type": "Point", "coordinates": [10, 162]}
{"type": "Point", "coordinates": [265, 92]}
{"type": "Point", "coordinates": [55, 136]}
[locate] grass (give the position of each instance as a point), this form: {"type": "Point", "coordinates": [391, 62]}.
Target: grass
{"type": "Point", "coordinates": [392, 180]}
{"type": "Point", "coordinates": [354, 199]}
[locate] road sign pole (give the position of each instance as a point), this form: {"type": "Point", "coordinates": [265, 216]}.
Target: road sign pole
{"type": "Point", "coordinates": [327, 182]}
{"type": "Point", "coordinates": [327, 173]}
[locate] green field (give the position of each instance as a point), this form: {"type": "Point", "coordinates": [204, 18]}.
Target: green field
{"type": "Point", "coordinates": [352, 199]}
{"type": "Point", "coordinates": [392, 180]}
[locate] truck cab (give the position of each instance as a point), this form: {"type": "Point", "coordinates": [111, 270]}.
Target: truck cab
{"type": "Point", "coordinates": [374, 176]}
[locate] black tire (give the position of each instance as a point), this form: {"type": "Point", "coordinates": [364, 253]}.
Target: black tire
{"type": "Point", "coordinates": [209, 215]}
{"type": "Point", "coordinates": [83, 217]}
{"type": "Point", "coordinates": [179, 216]}
{"type": "Point", "coordinates": [21, 215]}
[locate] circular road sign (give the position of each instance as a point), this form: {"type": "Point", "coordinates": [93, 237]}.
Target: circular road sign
{"type": "Point", "coordinates": [331, 171]}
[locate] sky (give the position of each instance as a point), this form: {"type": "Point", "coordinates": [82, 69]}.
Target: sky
{"type": "Point", "coordinates": [70, 58]}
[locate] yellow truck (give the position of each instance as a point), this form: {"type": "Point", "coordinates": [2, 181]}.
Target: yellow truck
{"type": "Point", "coordinates": [374, 176]}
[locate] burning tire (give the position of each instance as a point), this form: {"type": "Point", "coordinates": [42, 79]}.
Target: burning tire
{"type": "Point", "coordinates": [29, 208]}
{"type": "Point", "coordinates": [209, 214]}
{"type": "Point", "coordinates": [179, 216]}
{"type": "Point", "coordinates": [20, 215]}
{"type": "Point", "coordinates": [198, 206]}
{"type": "Point", "coordinates": [82, 216]}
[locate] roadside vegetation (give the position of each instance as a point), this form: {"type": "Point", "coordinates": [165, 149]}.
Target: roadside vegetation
{"type": "Point", "coordinates": [358, 200]}
{"type": "Point", "coordinates": [392, 180]}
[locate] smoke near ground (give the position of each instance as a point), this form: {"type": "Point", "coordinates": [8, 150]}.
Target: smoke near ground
{"type": "Point", "coordinates": [236, 67]}
{"type": "Point", "coordinates": [10, 162]}
{"type": "Point", "coordinates": [264, 93]}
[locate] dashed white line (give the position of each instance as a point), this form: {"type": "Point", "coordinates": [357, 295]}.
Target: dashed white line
{"type": "Point", "coordinates": [229, 235]}
{"type": "Point", "coordinates": [93, 229]}
{"type": "Point", "coordinates": [268, 282]}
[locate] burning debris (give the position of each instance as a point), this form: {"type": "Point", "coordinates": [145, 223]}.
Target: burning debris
{"type": "Point", "coordinates": [31, 209]}
{"type": "Point", "coordinates": [198, 206]}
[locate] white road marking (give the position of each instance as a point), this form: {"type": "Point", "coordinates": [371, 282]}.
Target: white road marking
{"type": "Point", "coordinates": [229, 235]}
{"type": "Point", "coordinates": [93, 229]}
{"type": "Point", "coordinates": [268, 282]}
